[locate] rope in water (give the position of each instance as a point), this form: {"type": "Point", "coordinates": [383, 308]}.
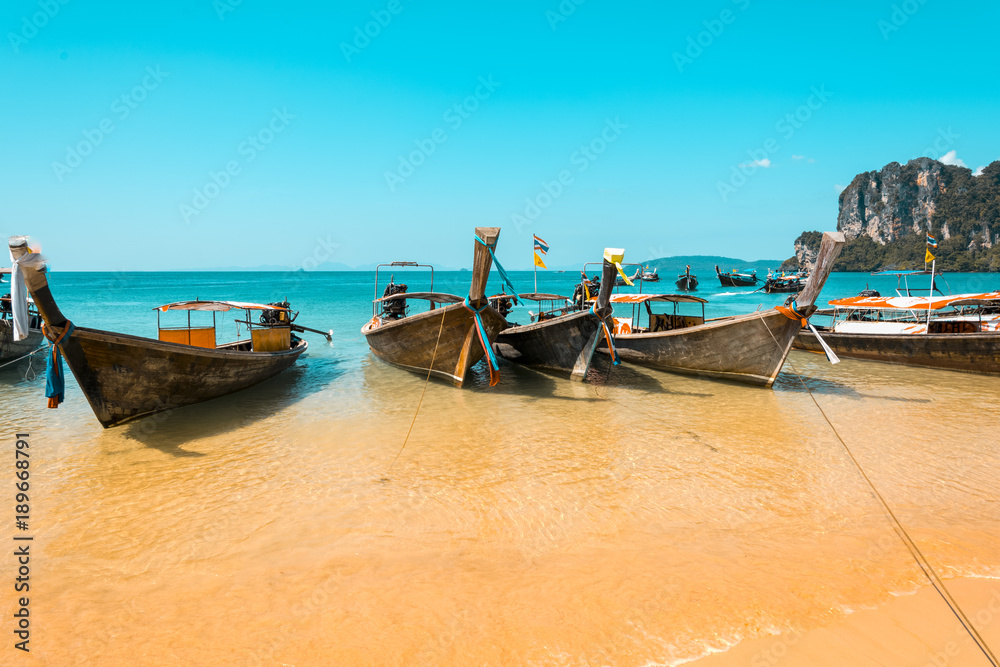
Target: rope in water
{"type": "Point", "coordinates": [918, 556]}
{"type": "Point", "coordinates": [422, 392]}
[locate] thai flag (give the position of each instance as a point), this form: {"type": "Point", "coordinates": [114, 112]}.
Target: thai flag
{"type": "Point", "coordinates": [931, 241]}
{"type": "Point", "coordinates": [540, 245]}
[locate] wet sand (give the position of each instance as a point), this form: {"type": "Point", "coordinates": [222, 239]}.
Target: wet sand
{"type": "Point", "coordinates": [915, 629]}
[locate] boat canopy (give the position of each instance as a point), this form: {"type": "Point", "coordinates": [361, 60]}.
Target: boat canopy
{"type": "Point", "coordinates": [434, 297]}
{"type": "Point", "coordinates": [216, 306]}
{"type": "Point", "coordinates": [536, 296]}
{"type": "Point", "coordinates": [912, 302]}
{"type": "Point", "coordinates": [644, 298]}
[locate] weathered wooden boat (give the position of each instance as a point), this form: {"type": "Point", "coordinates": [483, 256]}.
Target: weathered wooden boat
{"type": "Point", "coordinates": [128, 377]}
{"type": "Point", "coordinates": [735, 279]}
{"type": "Point", "coordinates": [563, 339]}
{"type": "Point", "coordinates": [746, 348]}
{"type": "Point", "coordinates": [959, 332]}
{"type": "Point", "coordinates": [686, 281]}
{"type": "Point", "coordinates": [444, 342]}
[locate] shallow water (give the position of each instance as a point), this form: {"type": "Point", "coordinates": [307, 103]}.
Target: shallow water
{"type": "Point", "coordinates": [642, 518]}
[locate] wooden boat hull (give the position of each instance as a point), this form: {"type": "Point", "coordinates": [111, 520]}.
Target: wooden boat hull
{"type": "Point", "coordinates": [735, 281]}
{"type": "Point", "coordinates": [971, 353]}
{"type": "Point", "coordinates": [128, 377]}
{"type": "Point", "coordinates": [564, 344]}
{"type": "Point", "coordinates": [409, 343]}
{"type": "Point", "coordinates": [687, 283]}
{"type": "Point", "coordinates": [745, 348]}
{"type": "Point", "coordinates": [11, 349]}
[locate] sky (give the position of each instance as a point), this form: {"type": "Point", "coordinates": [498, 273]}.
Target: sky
{"type": "Point", "coordinates": [216, 133]}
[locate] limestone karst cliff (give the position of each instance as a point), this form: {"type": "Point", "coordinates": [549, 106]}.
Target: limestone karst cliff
{"type": "Point", "coordinates": [886, 215]}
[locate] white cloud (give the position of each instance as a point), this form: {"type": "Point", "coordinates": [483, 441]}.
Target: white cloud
{"type": "Point", "coordinates": [951, 157]}
{"type": "Point", "coordinates": [979, 172]}
{"type": "Point", "coordinates": [798, 157]}
{"type": "Point", "coordinates": [765, 163]}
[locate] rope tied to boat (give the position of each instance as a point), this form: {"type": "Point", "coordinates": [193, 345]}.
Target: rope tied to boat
{"type": "Point", "coordinates": [55, 382]}
{"type": "Point", "coordinates": [485, 340]}
{"type": "Point", "coordinates": [503, 274]}
{"type": "Point", "coordinates": [607, 336]}
{"type": "Point", "coordinates": [918, 556]}
{"type": "Point", "coordinates": [791, 311]}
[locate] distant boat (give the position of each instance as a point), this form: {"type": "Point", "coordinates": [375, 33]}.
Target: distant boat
{"type": "Point", "coordinates": [445, 341]}
{"type": "Point", "coordinates": [747, 348]}
{"type": "Point", "coordinates": [564, 338]}
{"type": "Point", "coordinates": [650, 276]}
{"type": "Point", "coordinates": [620, 282]}
{"type": "Point", "coordinates": [128, 377]}
{"type": "Point", "coordinates": [734, 279]}
{"type": "Point", "coordinates": [785, 284]}
{"type": "Point", "coordinates": [686, 281]}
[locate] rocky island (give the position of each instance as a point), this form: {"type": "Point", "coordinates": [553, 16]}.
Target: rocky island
{"type": "Point", "coordinates": [887, 214]}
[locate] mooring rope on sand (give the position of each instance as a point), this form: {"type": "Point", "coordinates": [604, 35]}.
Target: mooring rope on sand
{"type": "Point", "coordinates": [911, 546]}
{"type": "Point", "coordinates": [422, 392]}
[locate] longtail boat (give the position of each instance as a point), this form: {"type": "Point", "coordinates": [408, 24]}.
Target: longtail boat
{"type": "Point", "coordinates": [10, 349]}
{"type": "Point", "coordinates": [958, 332]}
{"type": "Point", "coordinates": [559, 340]}
{"type": "Point", "coordinates": [686, 281]}
{"type": "Point", "coordinates": [735, 279]}
{"type": "Point", "coordinates": [127, 377]}
{"type": "Point", "coordinates": [746, 348]}
{"type": "Point", "coordinates": [784, 284]}
{"type": "Point", "coordinates": [444, 341]}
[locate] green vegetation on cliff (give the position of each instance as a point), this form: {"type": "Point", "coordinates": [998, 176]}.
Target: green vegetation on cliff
{"type": "Point", "coordinates": [967, 211]}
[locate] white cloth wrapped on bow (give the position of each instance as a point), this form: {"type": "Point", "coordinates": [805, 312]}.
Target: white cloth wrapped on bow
{"type": "Point", "coordinates": [19, 299]}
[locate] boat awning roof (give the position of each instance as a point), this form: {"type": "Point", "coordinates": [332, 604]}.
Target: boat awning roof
{"type": "Point", "coordinates": [434, 297]}
{"type": "Point", "coordinates": [541, 296]}
{"type": "Point", "coordinates": [644, 298]}
{"type": "Point", "coordinates": [217, 306]}
{"type": "Point", "coordinates": [912, 302]}
{"type": "Point", "coordinates": [4, 270]}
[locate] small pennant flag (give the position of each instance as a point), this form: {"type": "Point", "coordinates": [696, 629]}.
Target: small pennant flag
{"type": "Point", "coordinates": [928, 257]}
{"type": "Point", "coordinates": [539, 262]}
{"type": "Point", "coordinates": [931, 241]}
{"type": "Point", "coordinates": [540, 245]}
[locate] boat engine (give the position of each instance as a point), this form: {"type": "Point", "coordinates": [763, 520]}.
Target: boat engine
{"type": "Point", "coordinates": [503, 304]}
{"type": "Point", "coordinates": [276, 317]}
{"type": "Point", "coordinates": [394, 309]}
